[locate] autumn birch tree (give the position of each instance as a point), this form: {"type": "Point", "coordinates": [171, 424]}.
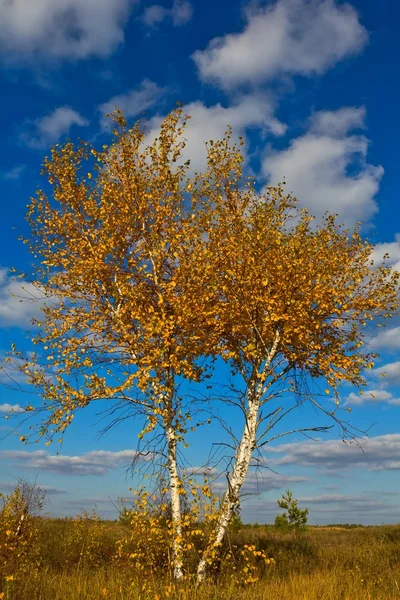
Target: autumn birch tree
{"type": "Point", "coordinates": [292, 300]}
{"type": "Point", "coordinates": [147, 270]}
{"type": "Point", "coordinates": [114, 246]}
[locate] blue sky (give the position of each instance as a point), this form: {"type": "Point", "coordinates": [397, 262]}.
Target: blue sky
{"type": "Point", "coordinates": [312, 86]}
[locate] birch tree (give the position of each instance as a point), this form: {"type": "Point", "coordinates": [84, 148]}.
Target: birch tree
{"type": "Point", "coordinates": [149, 271]}
{"type": "Point", "coordinates": [292, 300]}
{"type": "Point", "coordinates": [114, 247]}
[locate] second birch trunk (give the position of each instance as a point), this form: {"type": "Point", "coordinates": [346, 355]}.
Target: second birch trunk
{"type": "Point", "coordinates": [174, 486]}
{"type": "Point", "coordinates": [236, 480]}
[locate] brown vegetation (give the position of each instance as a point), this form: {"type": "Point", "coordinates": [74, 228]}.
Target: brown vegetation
{"type": "Point", "coordinates": [78, 558]}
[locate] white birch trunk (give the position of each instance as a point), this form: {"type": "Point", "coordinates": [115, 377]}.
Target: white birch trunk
{"type": "Point", "coordinates": [21, 522]}
{"type": "Point", "coordinates": [236, 480]}
{"type": "Point", "coordinates": [175, 503]}
{"type": "Point", "coordinates": [243, 457]}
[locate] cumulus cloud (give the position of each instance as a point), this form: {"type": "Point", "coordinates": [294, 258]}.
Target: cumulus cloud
{"type": "Point", "coordinates": [48, 130]}
{"type": "Point", "coordinates": [387, 338]}
{"type": "Point", "coordinates": [390, 371]}
{"type": "Point", "coordinates": [13, 174]}
{"type": "Point", "coordinates": [154, 15]}
{"type": "Point", "coordinates": [295, 37]}
{"type": "Point", "coordinates": [366, 507]}
{"type": "Point", "coordinates": [390, 248]}
{"type": "Point", "coordinates": [337, 123]}
{"type": "Point", "coordinates": [376, 454]}
{"type": "Point", "coordinates": [134, 102]}
{"type": "Point", "coordinates": [335, 499]}
{"type": "Point", "coordinates": [98, 462]}
{"type": "Point", "coordinates": [61, 30]}
{"type": "Point", "coordinates": [357, 505]}
{"type": "Point", "coordinates": [259, 482]}
{"type": "Point", "coordinates": [326, 168]}
{"type": "Point", "coordinates": [20, 301]}
{"type": "Point", "coordinates": [52, 491]}
{"type": "Point", "coordinates": [11, 408]}
{"type": "Point", "coordinates": [210, 123]}
{"type": "Point", "coordinates": [180, 13]}
{"type": "Point", "coordinates": [91, 502]}
{"type": "Point", "coordinates": [372, 397]}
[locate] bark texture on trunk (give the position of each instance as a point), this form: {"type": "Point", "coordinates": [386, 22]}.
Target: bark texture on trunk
{"type": "Point", "coordinates": [236, 480]}
{"type": "Point", "coordinates": [174, 486]}
{"type": "Point", "coordinates": [243, 455]}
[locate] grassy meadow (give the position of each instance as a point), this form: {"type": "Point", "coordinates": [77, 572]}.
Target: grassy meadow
{"type": "Point", "coordinates": [75, 559]}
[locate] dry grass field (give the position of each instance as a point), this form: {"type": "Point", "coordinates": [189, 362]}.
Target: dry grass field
{"type": "Point", "coordinates": [76, 559]}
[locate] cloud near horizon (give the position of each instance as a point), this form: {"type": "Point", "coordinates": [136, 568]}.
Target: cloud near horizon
{"type": "Point", "coordinates": [376, 454]}
{"type": "Point", "coordinates": [257, 482]}
{"type": "Point", "coordinates": [97, 462]}
{"type": "Point", "coordinates": [365, 507]}
{"type": "Point", "coordinates": [51, 491]}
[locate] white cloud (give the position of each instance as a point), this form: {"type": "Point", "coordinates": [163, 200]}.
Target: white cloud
{"type": "Point", "coordinates": [13, 174]}
{"type": "Point", "coordinates": [304, 37]}
{"type": "Point", "coordinates": [326, 167]}
{"type": "Point", "coordinates": [154, 15]}
{"type": "Point", "coordinates": [377, 454]}
{"type": "Point", "coordinates": [11, 408]}
{"type": "Point", "coordinates": [210, 123]}
{"type": "Point", "coordinates": [90, 502]}
{"type": "Point", "coordinates": [47, 130]}
{"type": "Point", "coordinates": [390, 248]}
{"type": "Point", "coordinates": [372, 397]}
{"type": "Point", "coordinates": [365, 507]}
{"type": "Point", "coordinates": [390, 371]}
{"type": "Point", "coordinates": [256, 482]}
{"type": "Point", "coordinates": [52, 491]}
{"type": "Point", "coordinates": [61, 29]}
{"type": "Point", "coordinates": [134, 102]}
{"type": "Point", "coordinates": [180, 13]}
{"type": "Point", "coordinates": [387, 338]}
{"type": "Point", "coordinates": [337, 123]}
{"type": "Point", "coordinates": [20, 301]}
{"type": "Point", "coordinates": [98, 462]}
{"type": "Point", "coordinates": [355, 505]}
{"type": "Point", "coordinates": [331, 498]}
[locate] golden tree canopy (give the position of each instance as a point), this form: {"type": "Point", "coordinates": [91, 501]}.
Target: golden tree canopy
{"type": "Point", "coordinates": [279, 277]}
{"type": "Point", "coordinates": [149, 268]}
{"type": "Point", "coordinates": [116, 243]}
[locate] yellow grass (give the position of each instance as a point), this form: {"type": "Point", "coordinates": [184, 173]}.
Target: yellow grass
{"type": "Point", "coordinates": [76, 563]}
